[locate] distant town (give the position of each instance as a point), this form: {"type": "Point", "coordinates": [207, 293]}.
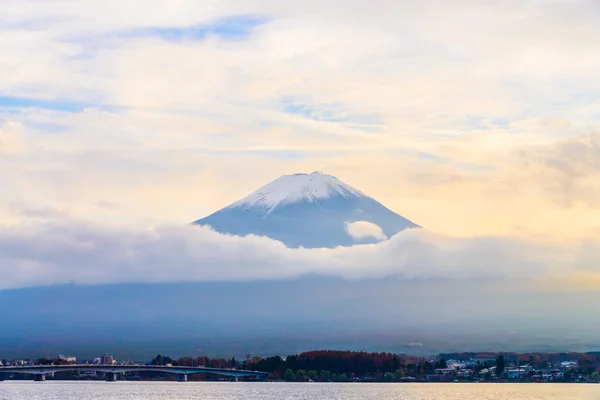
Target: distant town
{"type": "Point", "coordinates": [347, 366]}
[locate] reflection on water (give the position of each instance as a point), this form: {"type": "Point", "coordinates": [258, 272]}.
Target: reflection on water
{"type": "Point", "coordinates": [293, 391]}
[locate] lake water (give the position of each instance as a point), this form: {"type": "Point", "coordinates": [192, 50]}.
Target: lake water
{"type": "Point", "coordinates": [293, 391]}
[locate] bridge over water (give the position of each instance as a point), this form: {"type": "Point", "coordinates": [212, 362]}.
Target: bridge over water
{"type": "Point", "coordinates": [112, 371]}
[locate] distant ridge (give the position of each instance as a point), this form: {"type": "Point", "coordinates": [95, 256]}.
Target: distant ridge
{"type": "Point", "coordinates": [306, 210]}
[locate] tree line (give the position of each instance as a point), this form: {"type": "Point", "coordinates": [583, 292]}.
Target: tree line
{"type": "Point", "coordinates": [341, 366]}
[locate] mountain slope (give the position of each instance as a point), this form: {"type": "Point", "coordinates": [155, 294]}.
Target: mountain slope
{"type": "Point", "coordinates": [307, 210]}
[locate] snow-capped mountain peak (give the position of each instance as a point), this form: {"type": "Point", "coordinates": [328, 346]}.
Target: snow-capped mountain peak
{"type": "Point", "coordinates": [309, 210]}
{"type": "Point", "coordinates": [297, 188]}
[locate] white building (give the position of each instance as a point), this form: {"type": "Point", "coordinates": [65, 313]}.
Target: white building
{"type": "Point", "coordinates": [67, 358]}
{"type": "Point", "coordinates": [455, 364]}
{"type": "Point", "coordinates": [569, 364]}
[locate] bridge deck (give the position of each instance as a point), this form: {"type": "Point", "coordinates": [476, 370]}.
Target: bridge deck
{"type": "Point", "coordinates": [115, 369]}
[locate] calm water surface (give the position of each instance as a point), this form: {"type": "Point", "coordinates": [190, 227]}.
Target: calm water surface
{"type": "Point", "coordinates": [293, 391]}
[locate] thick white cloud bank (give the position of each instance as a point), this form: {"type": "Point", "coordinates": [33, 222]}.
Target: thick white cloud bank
{"type": "Point", "coordinates": [68, 251]}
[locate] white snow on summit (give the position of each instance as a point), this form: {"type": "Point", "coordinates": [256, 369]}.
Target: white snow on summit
{"type": "Point", "coordinates": [295, 188]}
{"type": "Point", "coordinates": [311, 211]}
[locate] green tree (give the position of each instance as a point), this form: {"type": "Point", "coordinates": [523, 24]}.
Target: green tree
{"type": "Point", "coordinates": [596, 376]}
{"type": "Point", "coordinates": [313, 375]}
{"type": "Point", "coordinates": [399, 374]}
{"type": "Point", "coordinates": [301, 374]}
{"type": "Point", "coordinates": [395, 362]}
{"type": "Point", "coordinates": [500, 365]}
{"type": "Point", "coordinates": [326, 376]}
{"type": "Point", "coordinates": [289, 375]}
{"type": "Point", "coordinates": [389, 377]}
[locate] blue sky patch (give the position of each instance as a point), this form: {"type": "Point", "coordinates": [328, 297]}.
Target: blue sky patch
{"type": "Point", "coordinates": [13, 103]}
{"type": "Point", "coordinates": [330, 112]}
{"type": "Point", "coordinates": [232, 28]}
{"type": "Point", "coordinates": [24, 102]}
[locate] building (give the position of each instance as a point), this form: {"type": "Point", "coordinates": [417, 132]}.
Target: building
{"type": "Point", "coordinates": [569, 365]}
{"type": "Point", "coordinates": [67, 358]}
{"type": "Point", "coordinates": [465, 373]}
{"type": "Point", "coordinates": [444, 371]}
{"type": "Point", "coordinates": [455, 364]}
{"type": "Point", "coordinates": [516, 373]}
{"type": "Point", "coordinates": [106, 359]}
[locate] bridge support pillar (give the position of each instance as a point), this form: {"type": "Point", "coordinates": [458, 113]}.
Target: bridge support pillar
{"type": "Point", "coordinates": [111, 377]}
{"type": "Point", "coordinates": [39, 378]}
{"type": "Point", "coordinates": [181, 378]}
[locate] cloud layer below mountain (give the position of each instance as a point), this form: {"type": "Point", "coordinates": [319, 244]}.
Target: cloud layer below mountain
{"type": "Point", "coordinates": [63, 250]}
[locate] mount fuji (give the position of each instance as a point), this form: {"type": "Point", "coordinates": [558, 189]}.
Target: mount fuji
{"type": "Point", "coordinates": [314, 210]}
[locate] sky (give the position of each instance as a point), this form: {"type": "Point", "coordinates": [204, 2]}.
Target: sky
{"type": "Point", "coordinates": [121, 122]}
